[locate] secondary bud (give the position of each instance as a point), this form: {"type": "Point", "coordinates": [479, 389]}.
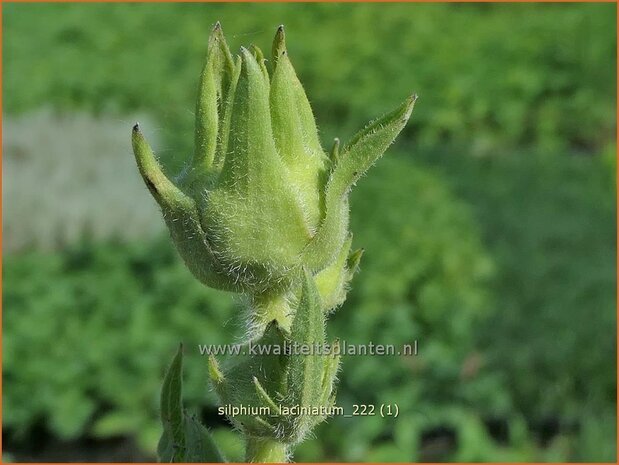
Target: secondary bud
{"type": "Point", "coordinates": [261, 199]}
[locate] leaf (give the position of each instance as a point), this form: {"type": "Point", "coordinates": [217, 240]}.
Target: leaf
{"type": "Point", "coordinates": [367, 146]}
{"type": "Point", "coordinates": [296, 137]}
{"type": "Point", "coordinates": [214, 82]}
{"type": "Point", "coordinates": [308, 329]}
{"type": "Point", "coordinates": [171, 397]}
{"type": "Point", "coordinates": [165, 192]}
{"type": "Point", "coordinates": [255, 379]}
{"type": "Point", "coordinates": [332, 281]}
{"type": "Point", "coordinates": [253, 218]}
{"type": "Point", "coordinates": [200, 446]}
{"type": "Point", "coordinates": [184, 438]}
{"type": "Point", "coordinates": [181, 215]}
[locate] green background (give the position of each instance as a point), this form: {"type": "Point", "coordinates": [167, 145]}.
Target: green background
{"type": "Point", "coordinates": [489, 227]}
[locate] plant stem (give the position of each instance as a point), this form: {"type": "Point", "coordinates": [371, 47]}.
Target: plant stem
{"type": "Point", "coordinates": [272, 306]}
{"type": "Point", "coordinates": [261, 450]}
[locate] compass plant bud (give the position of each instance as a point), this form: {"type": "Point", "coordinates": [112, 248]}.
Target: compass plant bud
{"type": "Point", "coordinates": [260, 198]}
{"type": "Point", "coordinates": [261, 209]}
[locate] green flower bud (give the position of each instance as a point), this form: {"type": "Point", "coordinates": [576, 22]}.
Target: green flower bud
{"type": "Point", "coordinates": [333, 281]}
{"type": "Point", "coordinates": [278, 382]}
{"type": "Point", "coordinates": [260, 198]}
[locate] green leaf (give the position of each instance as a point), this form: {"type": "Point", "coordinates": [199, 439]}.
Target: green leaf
{"type": "Point", "coordinates": [165, 192]}
{"type": "Point", "coordinates": [259, 56]}
{"type": "Point", "coordinates": [181, 215]}
{"type": "Point", "coordinates": [224, 126]}
{"type": "Point", "coordinates": [296, 137]}
{"type": "Point", "coordinates": [332, 281]}
{"type": "Point", "coordinates": [367, 146]}
{"type": "Point", "coordinates": [279, 45]}
{"type": "Point", "coordinates": [171, 397]}
{"type": "Point", "coordinates": [254, 210]}
{"type": "Point", "coordinates": [334, 154]}
{"type": "Point", "coordinates": [200, 446]}
{"type": "Point", "coordinates": [255, 379]}
{"type": "Point", "coordinates": [214, 82]}
{"type": "Point", "coordinates": [184, 439]}
{"type": "Point", "coordinates": [305, 372]}
{"type": "Point", "coordinates": [251, 152]}
{"type": "Point", "coordinates": [329, 375]}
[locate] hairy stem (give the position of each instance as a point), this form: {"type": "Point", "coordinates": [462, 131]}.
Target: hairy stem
{"type": "Point", "coordinates": [260, 450]}
{"type": "Point", "coordinates": [272, 306]}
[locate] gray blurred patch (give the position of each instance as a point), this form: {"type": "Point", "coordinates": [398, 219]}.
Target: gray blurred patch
{"type": "Point", "coordinates": [71, 176]}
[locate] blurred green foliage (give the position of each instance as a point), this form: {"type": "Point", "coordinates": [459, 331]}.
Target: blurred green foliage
{"type": "Point", "coordinates": [87, 334]}
{"type": "Point", "coordinates": [549, 222]}
{"type": "Point", "coordinates": [489, 229]}
{"type": "Point", "coordinates": [489, 76]}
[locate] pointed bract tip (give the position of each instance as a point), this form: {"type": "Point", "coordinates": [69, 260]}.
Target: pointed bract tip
{"type": "Point", "coordinates": [136, 127]}
{"type": "Point", "coordinates": [408, 106]}
{"type": "Point", "coordinates": [335, 150]}
{"type": "Point", "coordinates": [280, 35]}
{"type": "Point", "coordinates": [279, 44]}
{"type": "Point", "coordinates": [354, 259]}
{"type": "Point", "coordinates": [257, 53]}
{"type": "Point", "coordinates": [248, 58]}
{"type": "Point", "coordinates": [217, 35]}
{"type": "Point", "coordinates": [214, 371]}
{"type": "Point", "coordinates": [246, 55]}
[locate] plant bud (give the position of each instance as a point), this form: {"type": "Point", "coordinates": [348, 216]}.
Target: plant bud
{"type": "Point", "coordinates": [260, 199]}
{"type": "Point", "coordinates": [282, 387]}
